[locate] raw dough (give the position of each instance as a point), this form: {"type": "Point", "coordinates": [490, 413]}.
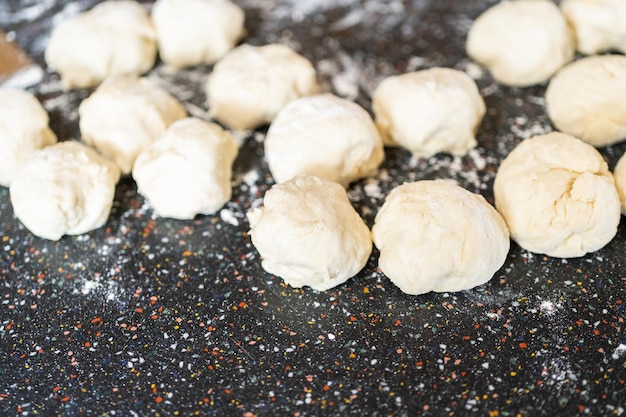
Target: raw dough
{"type": "Point", "coordinates": [429, 111]}
{"type": "Point", "coordinates": [113, 38]}
{"type": "Point", "coordinates": [557, 196]}
{"type": "Point", "coordinates": [252, 83]}
{"type": "Point", "coordinates": [600, 25]}
{"type": "Point", "coordinates": [620, 180]}
{"type": "Point", "coordinates": [308, 233]}
{"type": "Point", "coordinates": [192, 32]}
{"type": "Point", "coordinates": [522, 42]}
{"type": "Point", "coordinates": [64, 189]}
{"type": "Point", "coordinates": [23, 130]}
{"type": "Point", "coordinates": [437, 236]}
{"type": "Point", "coordinates": [125, 115]}
{"type": "Point", "coordinates": [188, 171]}
{"type": "Point", "coordinates": [586, 99]}
{"type": "Point", "coordinates": [325, 136]}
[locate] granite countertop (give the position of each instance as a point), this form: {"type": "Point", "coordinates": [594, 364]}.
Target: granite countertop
{"type": "Point", "coordinates": [153, 316]}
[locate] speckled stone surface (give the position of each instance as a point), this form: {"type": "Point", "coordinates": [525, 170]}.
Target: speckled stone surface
{"type": "Point", "coordinates": [152, 316]}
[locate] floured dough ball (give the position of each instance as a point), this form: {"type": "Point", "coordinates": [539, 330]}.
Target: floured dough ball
{"type": "Point", "coordinates": [188, 171]}
{"type": "Point", "coordinates": [557, 196]}
{"type": "Point", "coordinates": [437, 236]}
{"type": "Point", "coordinates": [252, 83]}
{"type": "Point", "coordinates": [23, 130]}
{"type": "Point", "coordinates": [522, 42]}
{"type": "Point", "coordinates": [600, 25]}
{"type": "Point", "coordinates": [64, 189]}
{"type": "Point", "coordinates": [429, 111]}
{"type": "Point", "coordinates": [309, 234]}
{"type": "Point", "coordinates": [125, 115]}
{"type": "Point", "coordinates": [586, 99]}
{"type": "Point", "coordinates": [325, 136]}
{"type": "Point", "coordinates": [193, 32]}
{"type": "Point", "coordinates": [620, 180]}
{"type": "Point", "coordinates": [113, 38]}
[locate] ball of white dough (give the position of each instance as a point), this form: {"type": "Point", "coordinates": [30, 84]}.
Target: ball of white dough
{"type": "Point", "coordinates": [23, 130]}
{"type": "Point", "coordinates": [324, 136]}
{"type": "Point", "coordinates": [309, 234]}
{"type": "Point", "coordinates": [437, 236]}
{"type": "Point", "coordinates": [193, 32]}
{"type": "Point", "coordinates": [429, 111]}
{"type": "Point", "coordinates": [619, 174]}
{"type": "Point", "coordinates": [586, 99]}
{"type": "Point", "coordinates": [113, 38]}
{"type": "Point", "coordinates": [600, 25]}
{"type": "Point", "coordinates": [187, 171]}
{"type": "Point", "coordinates": [522, 42]}
{"type": "Point", "coordinates": [125, 115]}
{"type": "Point", "coordinates": [557, 196]}
{"type": "Point", "coordinates": [252, 83]}
{"type": "Point", "coordinates": [64, 189]}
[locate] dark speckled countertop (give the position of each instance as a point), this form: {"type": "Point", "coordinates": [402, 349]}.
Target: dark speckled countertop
{"type": "Point", "coordinates": [151, 316]}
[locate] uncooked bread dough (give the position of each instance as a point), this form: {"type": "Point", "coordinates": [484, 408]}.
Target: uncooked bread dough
{"type": "Point", "coordinates": [23, 130]}
{"type": "Point", "coordinates": [522, 42]}
{"type": "Point", "coordinates": [429, 111]}
{"type": "Point", "coordinates": [252, 83]}
{"type": "Point", "coordinates": [586, 99]}
{"type": "Point", "coordinates": [187, 171]}
{"type": "Point", "coordinates": [192, 32]}
{"type": "Point", "coordinates": [126, 114]}
{"type": "Point", "coordinates": [600, 25]}
{"type": "Point", "coordinates": [325, 136]}
{"type": "Point", "coordinates": [309, 234]}
{"type": "Point", "coordinates": [64, 189]}
{"type": "Point", "coordinates": [113, 38]}
{"type": "Point", "coordinates": [437, 236]}
{"type": "Point", "coordinates": [557, 196]}
{"type": "Point", "coordinates": [619, 173]}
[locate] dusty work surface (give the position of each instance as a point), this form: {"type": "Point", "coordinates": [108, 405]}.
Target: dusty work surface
{"type": "Point", "coordinates": [151, 316]}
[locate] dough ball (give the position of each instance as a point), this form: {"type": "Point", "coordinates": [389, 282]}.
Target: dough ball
{"type": "Point", "coordinates": [437, 236]}
{"type": "Point", "coordinates": [522, 42]}
{"type": "Point", "coordinates": [125, 115]}
{"type": "Point", "coordinates": [188, 171]}
{"type": "Point", "coordinates": [252, 83]}
{"type": "Point", "coordinates": [557, 196]}
{"type": "Point", "coordinates": [325, 136]}
{"type": "Point", "coordinates": [586, 99]}
{"type": "Point", "coordinates": [429, 111]}
{"type": "Point", "coordinates": [309, 234]}
{"type": "Point", "coordinates": [193, 32]}
{"type": "Point", "coordinates": [23, 130]}
{"type": "Point", "coordinates": [600, 25]}
{"type": "Point", "coordinates": [620, 180]}
{"type": "Point", "coordinates": [64, 189]}
{"type": "Point", "coordinates": [113, 38]}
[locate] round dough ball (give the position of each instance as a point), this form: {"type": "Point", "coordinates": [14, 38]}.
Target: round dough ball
{"type": "Point", "coordinates": [23, 130]}
{"type": "Point", "coordinates": [557, 196]}
{"type": "Point", "coordinates": [522, 42]}
{"type": "Point", "coordinates": [250, 85]}
{"type": "Point", "coordinates": [125, 115]}
{"type": "Point", "coordinates": [192, 32]}
{"type": "Point", "coordinates": [437, 236]}
{"type": "Point", "coordinates": [619, 174]}
{"type": "Point", "coordinates": [188, 171]}
{"type": "Point", "coordinates": [113, 38]}
{"type": "Point", "coordinates": [64, 189]}
{"type": "Point", "coordinates": [429, 111]}
{"type": "Point", "coordinates": [325, 136]}
{"type": "Point", "coordinates": [586, 99]}
{"type": "Point", "coordinates": [309, 234]}
{"type": "Point", "coordinates": [600, 25]}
